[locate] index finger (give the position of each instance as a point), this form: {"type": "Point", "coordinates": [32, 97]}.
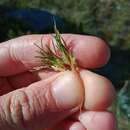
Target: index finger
{"type": "Point", "coordinates": [18, 55]}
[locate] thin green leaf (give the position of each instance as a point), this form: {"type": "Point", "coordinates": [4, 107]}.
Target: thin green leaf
{"type": "Point", "coordinates": [53, 59]}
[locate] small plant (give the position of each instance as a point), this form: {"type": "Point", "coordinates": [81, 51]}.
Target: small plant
{"type": "Point", "coordinates": [59, 57]}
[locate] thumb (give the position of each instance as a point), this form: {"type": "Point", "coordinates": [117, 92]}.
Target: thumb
{"type": "Point", "coordinates": [42, 104]}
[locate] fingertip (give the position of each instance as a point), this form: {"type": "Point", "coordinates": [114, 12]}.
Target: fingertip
{"type": "Point", "coordinates": [99, 91]}
{"type": "Point", "coordinates": [91, 52]}
{"type": "Point", "coordinates": [93, 120]}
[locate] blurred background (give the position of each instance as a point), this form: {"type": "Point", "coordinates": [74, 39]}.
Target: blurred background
{"type": "Point", "coordinates": [108, 19]}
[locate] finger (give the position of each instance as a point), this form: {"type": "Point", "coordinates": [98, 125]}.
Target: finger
{"type": "Point", "coordinates": [69, 125]}
{"type": "Point", "coordinates": [26, 78]}
{"type": "Point", "coordinates": [22, 80]}
{"type": "Point", "coordinates": [18, 55]}
{"type": "Point", "coordinates": [98, 120]}
{"type": "Point", "coordinates": [42, 104]}
{"type": "Point", "coordinates": [99, 91]}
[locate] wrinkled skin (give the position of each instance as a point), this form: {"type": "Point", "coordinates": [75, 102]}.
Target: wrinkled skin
{"type": "Point", "coordinates": [38, 100]}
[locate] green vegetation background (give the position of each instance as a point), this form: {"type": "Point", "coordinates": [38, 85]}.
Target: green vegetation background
{"type": "Point", "coordinates": [108, 19]}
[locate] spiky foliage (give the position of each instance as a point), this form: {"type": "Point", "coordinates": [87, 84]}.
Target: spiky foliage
{"type": "Point", "coordinates": [59, 57]}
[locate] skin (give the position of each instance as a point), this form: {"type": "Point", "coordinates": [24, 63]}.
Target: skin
{"type": "Point", "coordinates": [43, 99]}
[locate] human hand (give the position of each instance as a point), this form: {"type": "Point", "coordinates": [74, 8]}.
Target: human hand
{"type": "Point", "coordinates": [45, 99]}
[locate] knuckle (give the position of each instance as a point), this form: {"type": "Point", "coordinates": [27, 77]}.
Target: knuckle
{"type": "Point", "coordinates": [12, 52]}
{"type": "Point", "coordinates": [19, 108]}
{"type": "Point", "coordinates": [43, 100]}
{"type": "Point", "coordinates": [50, 102]}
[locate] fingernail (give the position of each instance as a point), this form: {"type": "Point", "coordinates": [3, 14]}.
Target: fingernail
{"type": "Point", "coordinates": [67, 90]}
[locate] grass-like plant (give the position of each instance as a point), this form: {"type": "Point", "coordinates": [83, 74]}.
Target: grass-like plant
{"type": "Point", "coordinates": [58, 57]}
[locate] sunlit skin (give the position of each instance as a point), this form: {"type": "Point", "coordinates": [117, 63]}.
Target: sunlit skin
{"type": "Point", "coordinates": [29, 99]}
